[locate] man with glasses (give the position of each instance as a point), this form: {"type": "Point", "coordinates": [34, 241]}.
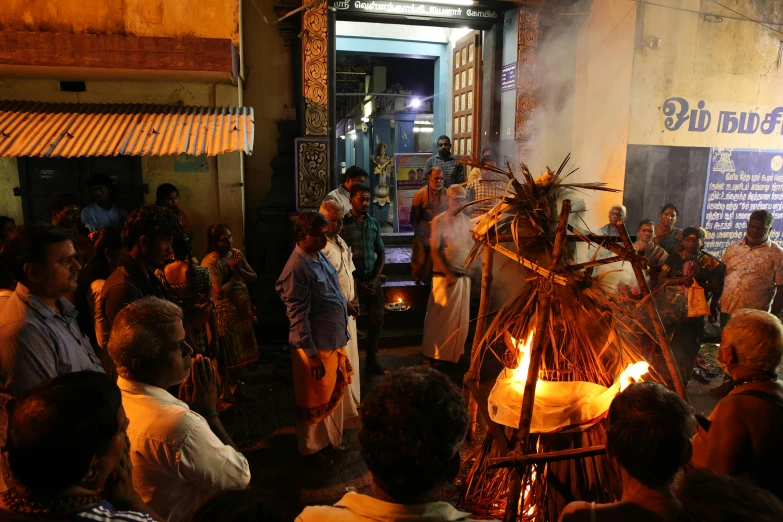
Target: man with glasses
{"type": "Point", "coordinates": [428, 202]}
{"type": "Point", "coordinates": [448, 309]}
{"type": "Point", "coordinates": [453, 170]}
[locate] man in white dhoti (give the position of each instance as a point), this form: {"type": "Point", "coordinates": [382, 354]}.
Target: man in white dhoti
{"type": "Point", "coordinates": [339, 255]}
{"type": "Point", "coordinates": [448, 309]}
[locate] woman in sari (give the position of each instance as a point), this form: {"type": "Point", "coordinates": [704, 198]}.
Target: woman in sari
{"type": "Point", "coordinates": [167, 196]}
{"type": "Point", "coordinates": [667, 236]}
{"type": "Point", "coordinates": [230, 273]}
{"type": "Point", "coordinates": [678, 273]}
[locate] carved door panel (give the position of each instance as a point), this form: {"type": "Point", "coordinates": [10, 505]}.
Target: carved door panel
{"type": "Point", "coordinates": [466, 93]}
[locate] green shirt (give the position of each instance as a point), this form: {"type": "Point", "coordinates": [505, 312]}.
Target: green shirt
{"type": "Point", "coordinates": [364, 240]}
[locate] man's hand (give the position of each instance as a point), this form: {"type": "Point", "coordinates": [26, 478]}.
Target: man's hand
{"type": "Point", "coordinates": [204, 397]}
{"type": "Point", "coordinates": [451, 279]}
{"type": "Point", "coordinates": [367, 288]}
{"type": "Point", "coordinates": [353, 310]}
{"type": "Point", "coordinates": [317, 369]}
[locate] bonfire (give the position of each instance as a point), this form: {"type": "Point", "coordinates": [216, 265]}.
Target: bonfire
{"type": "Point", "coordinates": [567, 346]}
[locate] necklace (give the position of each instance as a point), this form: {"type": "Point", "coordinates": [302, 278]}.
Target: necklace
{"type": "Point", "coordinates": [35, 509]}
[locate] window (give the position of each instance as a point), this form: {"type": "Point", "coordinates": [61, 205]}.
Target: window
{"type": "Point", "coordinates": [470, 123]}
{"type": "Point", "coordinates": [470, 99]}
{"type": "Point", "coordinates": [470, 53]}
{"type": "Point", "coordinates": [470, 76]}
{"type": "Point", "coordinates": [462, 101]}
{"type": "Point", "coordinates": [456, 82]}
{"type": "Point", "coordinates": [456, 126]}
{"type": "Point", "coordinates": [464, 77]}
{"type": "Point", "coordinates": [456, 59]}
{"type": "Point", "coordinates": [456, 103]}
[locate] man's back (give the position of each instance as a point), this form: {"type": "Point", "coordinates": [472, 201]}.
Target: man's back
{"type": "Point", "coordinates": [177, 461]}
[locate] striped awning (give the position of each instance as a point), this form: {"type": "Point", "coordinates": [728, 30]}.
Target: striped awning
{"type": "Point", "coordinates": [67, 130]}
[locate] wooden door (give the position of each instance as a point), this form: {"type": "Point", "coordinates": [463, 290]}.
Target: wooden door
{"type": "Point", "coordinates": [466, 97]}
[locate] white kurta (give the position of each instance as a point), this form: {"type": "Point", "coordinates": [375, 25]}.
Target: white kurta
{"type": "Point", "coordinates": [340, 256]}
{"type": "Point", "coordinates": [448, 308]}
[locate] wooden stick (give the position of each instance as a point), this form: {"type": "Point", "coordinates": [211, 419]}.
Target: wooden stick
{"type": "Point", "coordinates": [473, 373]}
{"type": "Point", "coordinates": [494, 428]}
{"type": "Point", "coordinates": [520, 461]}
{"type": "Point", "coordinates": [536, 353]}
{"type": "Point", "coordinates": [509, 238]}
{"type": "Point", "coordinates": [597, 262]}
{"type": "Point", "coordinates": [660, 331]}
{"type": "Point", "coordinates": [543, 272]}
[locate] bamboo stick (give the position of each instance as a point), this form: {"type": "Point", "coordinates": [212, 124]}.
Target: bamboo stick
{"type": "Point", "coordinates": [660, 331]}
{"type": "Point", "coordinates": [520, 461]}
{"type": "Point", "coordinates": [509, 238]}
{"type": "Point", "coordinates": [494, 428]}
{"type": "Point", "coordinates": [473, 373]}
{"type": "Point", "coordinates": [536, 353]}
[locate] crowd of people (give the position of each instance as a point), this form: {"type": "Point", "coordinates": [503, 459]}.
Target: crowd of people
{"type": "Point", "coordinates": [119, 349]}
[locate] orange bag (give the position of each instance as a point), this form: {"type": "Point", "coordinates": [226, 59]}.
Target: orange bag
{"type": "Point", "coordinates": [697, 301]}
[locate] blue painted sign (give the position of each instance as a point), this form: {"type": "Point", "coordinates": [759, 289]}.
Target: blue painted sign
{"type": "Point", "coordinates": [740, 181]}
{"type": "Point", "coordinates": [188, 163]}
{"type": "Point", "coordinates": [508, 77]}
{"type": "Point", "coordinates": [679, 114]}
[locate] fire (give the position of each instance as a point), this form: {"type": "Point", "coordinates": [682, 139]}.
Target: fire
{"type": "Point", "coordinates": [633, 373]}
{"type": "Point", "coordinates": [399, 300]}
{"type": "Point", "coordinates": [520, 372]}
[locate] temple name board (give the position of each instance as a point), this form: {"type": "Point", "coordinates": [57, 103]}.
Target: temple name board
{"type": "Point", "coordinates": [477, 13]}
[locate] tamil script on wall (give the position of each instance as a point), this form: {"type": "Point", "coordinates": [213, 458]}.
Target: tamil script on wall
{"type": "Point", "coordinates": [740, 181]}
{"type": "Point", "coordinates": [418, 9]}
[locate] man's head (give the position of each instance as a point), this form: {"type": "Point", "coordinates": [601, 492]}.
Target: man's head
{"type": "Point", "coordinates": [646, 230]}
{"type": "Point", "coordinates": [649, 435]}
{"type": "Point", "coordinates": [360, 199]}
{"type": "Point", "coordinates": [354, 176]}
{"type": "Point", "coordinates": [100, 188]}
{"type": "Point", "coordinates": [435, 179]}
{"type": "Point", "coordinates": [167, 195]}
{"type": "Point", "coordinates": [42, 257]}
{"type": "Point", "coordinates": [669, 215]}
{"type": "Point", "coordinates": [489, 156]}
{"type": "Point", "coordinates": [68, 431]}
{"type": "Point", "coordinates": [693, 239]}
{"type": "Point", "coordinates": [65, 211]}
{"type": "Point", "coordinates": [311, 231]}
{"type": "Point", "coordinates": [147, 343]}
{"type": "Point", "coordinates": [413, 424]}
{"type": "Point", "coordinates": [444, 147]}
{"type": "Point", "coordinates": [751, 342]}
{"type": "Point", "coordinates": [333, 212]}
{"type": "Point", "coordinates": [759, 225]}
{"type": "Point", "coordinates": [617, 214]}
{"type": "Point", "coordinates": [7, 225]}
{"type": "Point", "coordinates": [455, 197]}
{"type": "Point", "coordinates": [148, 232]}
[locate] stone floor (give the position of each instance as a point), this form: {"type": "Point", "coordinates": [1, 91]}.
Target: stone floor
{"type": "Point", "coordinates": [264, 430]}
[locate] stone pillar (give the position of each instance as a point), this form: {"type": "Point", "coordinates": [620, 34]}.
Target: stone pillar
{"type": "Point", "coordinates": [288, 32]}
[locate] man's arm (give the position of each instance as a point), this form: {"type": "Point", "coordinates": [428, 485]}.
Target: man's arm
{"type": "Point", "coordinates": [415, 216]}
{"type": "Point", "coordinates": [727, 436]}
{"type": "Point", "coordinates": [439, 262]}
{"type": "Point", "coordinates": [294, 289]}
{"type": "Point", "coordinates": [30, 355]}
{"type": "Point", "coordinates": [118, 297]}
{"type": "Point", "coordinates": [381, 261]}
{"type": "Point", "coordinates": [777, 303]}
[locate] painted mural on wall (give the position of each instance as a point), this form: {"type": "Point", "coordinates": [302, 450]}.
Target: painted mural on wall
{"type": "Point", "coordinates": [740, 181]}
{"type": "Point", "coordinates": [409, 171]}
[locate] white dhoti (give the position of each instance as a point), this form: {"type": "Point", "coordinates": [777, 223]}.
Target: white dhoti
{"type": "Point", "coordinates": [312, 438]}
{"type": "Point", "coordinates": [446, 323]}
{"type": "Point", "coordinates": [353, 357]}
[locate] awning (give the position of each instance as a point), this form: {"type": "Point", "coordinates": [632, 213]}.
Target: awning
{"type": "Point", "coordinates": [67, 130]}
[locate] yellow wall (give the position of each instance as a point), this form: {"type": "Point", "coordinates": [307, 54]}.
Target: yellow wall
{"type": "Point", "coordinates": [604, 67]}
{"type": "Point", "coordinates": [205, 197]}
{"type": "Point", "coordinates": [187, 18]}
{"type": "Point", "coordinates": [731, 65]}
{"type": "Point", "coordinates": [263, 50]}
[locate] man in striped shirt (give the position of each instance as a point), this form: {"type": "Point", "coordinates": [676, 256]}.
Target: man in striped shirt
{"type": "Point", "coordinates": [453, 170]}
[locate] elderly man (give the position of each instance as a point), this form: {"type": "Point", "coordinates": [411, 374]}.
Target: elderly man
{"type": "Point", "coordinates": [754, 271]}
{"type": "Point", "coordinates": [412, 452]}
{"type": "Point", "coordinates": [488, 190]}
{"type": "Point", "coordinates": [428, 202]}
{"type": "Point", "coordinates": [353, 176]}
{"type": "Point", "coordinates": [453, 170]}
{"type": "Point", "coordinates": [339, 255]}
{"type": "Point", "coordinates": [448, 309]}
{"type": "Point", "coordinates": [180, 452]}
{"type": "Point", "coordinates": [617, 214]}
{"type": "Point", "coordinates": [745, 428]}
{"type": "Point", "coordinates": [317, 309]}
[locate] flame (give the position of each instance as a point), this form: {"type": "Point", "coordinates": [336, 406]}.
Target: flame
{"type": "Point", "coordinates": [520, 372]}
{"type": "Point", "coordinates": [399, 300]}
{"type": "Point", "coordinates": [633, 373]}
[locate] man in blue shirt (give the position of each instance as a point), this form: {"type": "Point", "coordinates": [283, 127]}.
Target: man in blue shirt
{"type": "Point", "coordinates": [102, 213]}
{"type": "Point", "coordinates": [362, 234]}
{"type": "Point", "coordinates": [318, 335]}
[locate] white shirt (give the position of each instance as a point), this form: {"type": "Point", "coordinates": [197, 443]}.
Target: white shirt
{"type": "Point", "coordinates": [341, 196]}
{"type": "Point", "coordinates": [340, 257]}
{"type": "Point", "coordinates": [96, 217]}
{"type": "Point", "coordinates": [751, 276]}
{"type": "Point", "coordinates": [178, 462]}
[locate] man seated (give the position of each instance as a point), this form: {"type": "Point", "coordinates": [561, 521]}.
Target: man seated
{"type": "Point", "coordinates": [745, 429]}
{"type": "Point", "coordinates": [649, 439]}
{"type": "Point", "coordinates": [180, 452]}
{"type": "Point", "coordinates": [68, 454]}
{"type": "Point", "coordinates": [413, 424]}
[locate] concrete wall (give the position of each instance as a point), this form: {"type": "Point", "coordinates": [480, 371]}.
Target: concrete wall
{"type": "Point", "coordinates": [187, 18]}
{"type": "Point", "coordinates": [205, 197]}
{"type": "Point", "coordinates": [602, 101]}
{"type": "Point", "coordinates": [733, 65]}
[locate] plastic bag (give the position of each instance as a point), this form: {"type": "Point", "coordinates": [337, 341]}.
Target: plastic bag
{"type": "Point", "coordinates": [697, 301]}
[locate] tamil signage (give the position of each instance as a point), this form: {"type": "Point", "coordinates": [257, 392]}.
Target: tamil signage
{"type": "Point", "coordinates": [508, 77]}
{"type": "Point", "coordinates": [740, 181]}
{"type": "Point", "coordinates": [476, 13]}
